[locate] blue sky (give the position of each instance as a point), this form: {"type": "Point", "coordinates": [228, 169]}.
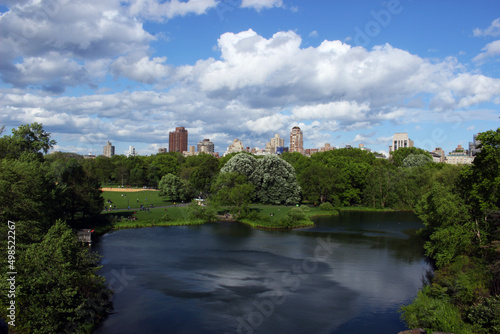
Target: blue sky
{"type": "Point", "coordinates": [346, 72]}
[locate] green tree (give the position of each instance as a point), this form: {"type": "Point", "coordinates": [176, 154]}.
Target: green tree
{"type": "Point", "coordinates": [275, 181]}
{"type": "Point", "coordinates": [234, 190]}
{"type": "Point", "coordinates": [201, 171]}
{"type": "Point", "coordinates": [293, 218]}
{"type": "Point", "coordinates": [400, 154]}
{"type": "Point", "coordinates": [102, 168]}
{"type": "Point", "coordinates": [481, 181]}
{"type": "Point", "coordinates": [380, 187]}
{"type": "Point", "coordinates": [411, 185]}
{"type": "Point", "coordinates": [27, 192]}
{"type": "Point", "coordinates": [205, 212]}
{"type": "Point", "coordinates": [29, 140]}
{"type": "Point", "coordinates": [167, 163]}
{"type": "Point", "coordinates": [58, 288]}
{"type": "Point", "coordinates": [321, 184]}
{"type": "Point", "coordinates": [299, 162]}
{"type": "Point", "coordinates": [78, 193]}
{"type": "Point", "coordinates": [173, 188]}
{"type": "Point", "coordinates": [441, 208]}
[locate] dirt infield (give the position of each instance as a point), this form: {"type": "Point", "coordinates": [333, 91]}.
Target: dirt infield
{"type": "Point", "coordinates": [127, 190]}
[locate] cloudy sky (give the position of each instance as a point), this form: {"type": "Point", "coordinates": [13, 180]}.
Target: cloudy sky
{"type": "Point", "coordinates": [346, 72]}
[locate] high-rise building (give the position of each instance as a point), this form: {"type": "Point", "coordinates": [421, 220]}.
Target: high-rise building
{"type": "Point", "coordinates": [131, 152]}
{"type": "Point", "coordinates": [276, 142]}
{"type": "Point", "coordinates": [400, 140]}
{"type": "Point", "coordinates": [206, 146]}
{"type": "Point", "coordinates": [162, 150]}
{"type": "Point", "coordinates": [296, 140]}
{"type": "Point", "coordinates": [108, 150]}
{"type": "Point", "coordinates": [178, 140]}
{"type": "Point", "coordinates": [236, 146]}
{"type": "Point", "coordinates": [473, 150]}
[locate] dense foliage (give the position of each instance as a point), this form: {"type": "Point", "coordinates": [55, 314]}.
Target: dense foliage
{"type": "Point", "coordinates": [57, 288]}
{"type": "Point", "coordinates": [462, 223]}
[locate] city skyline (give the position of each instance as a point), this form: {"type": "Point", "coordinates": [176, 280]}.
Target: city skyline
{"type": "Point", "coordinates": [399, 139]}
{"type": "Point", "coordinates": [345, 72]}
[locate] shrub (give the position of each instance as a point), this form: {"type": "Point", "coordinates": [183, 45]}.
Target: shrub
{"type": "Point", "coordinates": [434, 314]}
{"type": "Point", "coordinates": [205, 213]}
{"type": "Point", "coordinates": [486, 315]}
{"type": "Point", "coordinates": [294, 216]}
{"type": "Point", "coordinates": [327, 206]}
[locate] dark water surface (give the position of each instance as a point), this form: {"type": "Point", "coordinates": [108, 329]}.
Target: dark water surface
{"type": "Point", "coordinates": [350, 274]}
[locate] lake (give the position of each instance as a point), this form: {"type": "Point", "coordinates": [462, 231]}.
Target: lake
{"type": "Point", "coordinates": [349, 274]}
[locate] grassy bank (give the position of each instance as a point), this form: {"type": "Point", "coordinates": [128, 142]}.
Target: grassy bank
{"type": "Point", "coordinates": [260, 216]}
{"type": "Point", "coordinates": [171, 216]}
{"type": "Point", "coordinates": [283, 217]}
{"type": "Point", "coordinates": [365, 208]}
{"type": "Point", "coordinates": [122, 200]}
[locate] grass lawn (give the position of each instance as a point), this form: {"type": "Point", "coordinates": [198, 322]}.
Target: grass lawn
{"type": "Point", "coordinates": [270, 216]}
{"type": "Point", "coordinates": [123, 199]}
{"type": "Point", "coordinates": [266, 217]}
{"type": "Point", "coordinates": [173, 216]}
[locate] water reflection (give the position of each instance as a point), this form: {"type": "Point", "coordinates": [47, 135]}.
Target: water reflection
{"type": "Point", "coordinates": [229, 278]}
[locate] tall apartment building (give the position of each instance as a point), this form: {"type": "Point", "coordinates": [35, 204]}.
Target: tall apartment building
{"type": "Point", "coordinates": [131, 152]}
{"type": "Point", "coordinates": [276, 142]}
{"type": "Point", "coordinates": [206, 146]}
{"type": "Point", "coordinates": [400, 140]}
{"type": "Point", "coordinates": [236, 146]}
{"type": "Point", "coordinates": [108, 150]}
{"type": "Point", "coordinates": [296, 140]}
{"type": "Point", "coordinates": [473, 150]}
{"type": "Point", "coordinates": [178, 140]}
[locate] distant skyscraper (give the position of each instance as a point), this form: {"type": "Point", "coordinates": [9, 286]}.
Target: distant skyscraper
{"type": "Point", "coordinates": [296, 140]}
{"type": "Point", "coordinates": [473, 150]}
{"type": "Point", "coordinates": [178, 140]}
{"type": "Point", "coordinates": [109, 150]}
{"type": "Point", "coordinates": [276, 142]}
{"type": "Point", "coordinates": [131, 152]}
{"type": "Point", "coordinates": [236, 146]}
{"type": "Point", "coordinates": [206, 146]}
{"type": "Point", "coordinates": [400, 140]}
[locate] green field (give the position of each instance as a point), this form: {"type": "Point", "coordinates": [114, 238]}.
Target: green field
{"type": "Point", "coordinates": [123, 199]}
{"type": "Point", "coordinates": [170, 216]}
{"type": "Point", "coordinates": [266, 217]}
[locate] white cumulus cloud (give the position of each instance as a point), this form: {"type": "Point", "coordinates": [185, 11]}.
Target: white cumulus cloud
{"type": "Point", "coordinates": [489, 51]}
{"type": "Point", "coordinates": [261, 4]}
{"type": "Point", "coordinates": [159, 10]}
{"type": "Point", "coordinates": [492, 30]}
